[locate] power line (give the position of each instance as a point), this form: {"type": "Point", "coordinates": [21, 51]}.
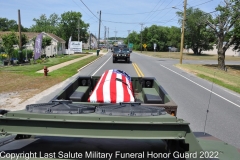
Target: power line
{"type": "Point", "coordinates": [200, 4]}
{"type": "Point", "coordinates": [149, 15]}
{"type": "Point", "coordinates": [136, 13]}
{"type": "Point", "coordinates": [88, 9]}
{"type": "Point", "coordinates": [80, 7]}
{"type": "Point", "coordinates": [165, 7]}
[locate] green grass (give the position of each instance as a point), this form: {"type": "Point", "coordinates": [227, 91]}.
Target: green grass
{"type": "Point", "coordinates": [31, 69]}
{"type": "Point", "coordinates": [229, 79]}
{"type": "Point", "coordinates": [220, 83]}
{"type": "Point", "coordinates": [30, 84]}
{"type": "Point", "coordinates": [71, 69]}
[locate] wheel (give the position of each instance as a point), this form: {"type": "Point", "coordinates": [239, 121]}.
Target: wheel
{"type": "Point", "coordinates": [113, 60]}
{"type": "Point", "coordinates": [128, 60]}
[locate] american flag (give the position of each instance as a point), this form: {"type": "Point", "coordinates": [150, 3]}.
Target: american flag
{"type": "Point", "coordinates": [114, 86]}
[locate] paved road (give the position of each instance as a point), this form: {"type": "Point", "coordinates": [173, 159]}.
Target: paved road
{"type": "Point", "coordinates": [192, 94]}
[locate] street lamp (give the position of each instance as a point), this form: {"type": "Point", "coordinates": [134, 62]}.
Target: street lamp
{"type": "Point", "coordinates": [182, 36]}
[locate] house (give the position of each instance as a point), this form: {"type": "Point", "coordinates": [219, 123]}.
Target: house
{"type": "Point", "coordinates": [57, 46]}
{"type": "Point", "coordinates": [93, 43]}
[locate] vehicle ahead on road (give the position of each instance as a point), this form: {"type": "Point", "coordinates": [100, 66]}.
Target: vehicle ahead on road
{"type": "Point", "coordinates": [121, 54]}
{"type": "Point", "coordinates": [150, 116]}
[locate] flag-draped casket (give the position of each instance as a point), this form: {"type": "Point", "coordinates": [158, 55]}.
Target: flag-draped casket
{"type": "Point", "coordinates": [114, 86]}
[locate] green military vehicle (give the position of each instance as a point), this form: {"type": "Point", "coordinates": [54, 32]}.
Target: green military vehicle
{"type": "Point", "coordinates": [153, 116]}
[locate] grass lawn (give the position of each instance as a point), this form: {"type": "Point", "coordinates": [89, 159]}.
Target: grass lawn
{"type": "Point", "coordinates": [187, 56]}
{"type": "Point", "coordinates": [15, 80]}
{"type": "Point", "coordinates": [31, 69]}
{"type": "Point", "coordinates": [229, 79]}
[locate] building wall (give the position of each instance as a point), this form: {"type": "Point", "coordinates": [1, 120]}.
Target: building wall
{"type": "Point", "coordinates": [54, 49]}
{"type": "Point", "coordinates": [93, 43]}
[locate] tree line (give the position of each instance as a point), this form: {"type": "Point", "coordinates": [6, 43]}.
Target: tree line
{"type": "Point", "coordinates": [163, 37]}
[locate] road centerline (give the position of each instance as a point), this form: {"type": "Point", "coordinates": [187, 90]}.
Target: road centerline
{"type": "Point", "coordinates": [201, 86]}
{"type": "Point", "coordinates": [137, 69]}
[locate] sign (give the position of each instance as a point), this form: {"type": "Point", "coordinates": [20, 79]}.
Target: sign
{"type": "Point", "coordinates": [154, 46]}
{"type": "Point", "coordinates": [130, 45]}
{"type": "Point", "coordinates": [76, 46]}
{"type": "Point", "coordinates": [69, 42]}
{"type": "Point", "coordinates": [38, 46]}
{"type": "Point", "coordinates": [144, 45]}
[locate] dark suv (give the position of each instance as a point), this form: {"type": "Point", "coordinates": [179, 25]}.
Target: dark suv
{"type": "Point", "coordinates": [122, 54]}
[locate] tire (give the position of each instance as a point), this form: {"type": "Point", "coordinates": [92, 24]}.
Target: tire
{"type": "Point", "coordinates": [128, 60]}
{"type": "Point", "coordinates": [113, 60]}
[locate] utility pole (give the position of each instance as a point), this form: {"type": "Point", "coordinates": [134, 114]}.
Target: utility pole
{"type": "Point", "coordinates": [89, 40]}
{"type": "Point", "coordinates": [107, 37]}
{"type": "Point", "coordinates": [141, 36]}
{"type": "Point", "coordinates": [105, 32]}
{"type": "Point", "coordinates": [20, 34]}
{"type": "Point", "coordinates": [128, 35]}
{"type": "Point", "coordinates": [99, 29]}
{"type": "Point", "coordinates": [182, 37]}
{"type": "Point", "coordinates": [115, 34]}
{"type": "Point", "coordinates": [78, 30]}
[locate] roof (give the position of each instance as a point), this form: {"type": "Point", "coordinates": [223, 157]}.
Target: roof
{"type": "Point", "coordinates": [31, 35]}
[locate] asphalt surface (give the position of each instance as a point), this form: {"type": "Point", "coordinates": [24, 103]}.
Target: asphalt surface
{"type": "Point", "coordinates": [194, 96]}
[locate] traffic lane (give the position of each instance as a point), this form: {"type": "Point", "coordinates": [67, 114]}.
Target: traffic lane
{"type": "Point", "coordinates": [168, 64]}
{"type": "Point", "coordinates": [193, 100]}
{"type": "Point", "coordinates": [90, 69]}
{"type": "Point", "coordinates": [177, 92]}
{"type": "Point", "coordinates": [121, 65]}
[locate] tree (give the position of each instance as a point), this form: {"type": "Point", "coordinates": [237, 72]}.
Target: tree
{"type": "Point", "coordinates": [197, 36]}
{"type": "Point", "coordinates": [133, 38]}
{"type": "Point", "coordinates": [173, 36]}
{"type": "Point", "coordinates": [45, 24]}
{"type": "Point", "coordinates": [223, 27]}
{"type": "Point", "coordinates": [24, 40]}
{"type": "Point", "coordinates": [8, 40]}
{"type": "Point", "coordinates": [162, 36]}
{"type": "Point", "coordinates": [69, 23]}
{"type": "Point", "coordinates": [10, 25]}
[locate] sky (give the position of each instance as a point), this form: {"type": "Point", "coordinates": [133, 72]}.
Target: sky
{"type": "Point", "coordinates": [120, 16]}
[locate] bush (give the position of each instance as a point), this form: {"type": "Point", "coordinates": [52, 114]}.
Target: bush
{"type": "Point", "coordinates": [21, 56]}
{"type": "Point", "coordinates": [38, 61]}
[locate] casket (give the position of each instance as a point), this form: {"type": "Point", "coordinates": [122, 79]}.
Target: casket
{"type": "Point", "coordinates": [114, 86]}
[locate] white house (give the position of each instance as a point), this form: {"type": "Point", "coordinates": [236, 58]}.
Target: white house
{"type": "Point", "coordinates": [57, 46]}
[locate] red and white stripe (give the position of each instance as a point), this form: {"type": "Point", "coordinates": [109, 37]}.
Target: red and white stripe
{"type": "Point", "coordinates": [109, 90]}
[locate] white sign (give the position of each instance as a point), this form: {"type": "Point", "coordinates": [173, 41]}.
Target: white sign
{"type": "Point", "coordinates": [76, 46]}
{"type": "Point", "coordinates": [154, 46]}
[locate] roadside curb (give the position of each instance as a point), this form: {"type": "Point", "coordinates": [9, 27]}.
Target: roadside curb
{"type": "Point", "coordinates": [89, 63]}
